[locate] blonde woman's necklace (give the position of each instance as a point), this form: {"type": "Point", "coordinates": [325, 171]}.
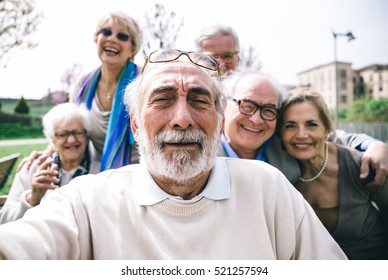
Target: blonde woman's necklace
{"type": "Point", "coordinates": [322, 169]}
{"type": "Point", "coordinates": [109, 96]}
{"type": "Point", "coordinates": [110, 90]}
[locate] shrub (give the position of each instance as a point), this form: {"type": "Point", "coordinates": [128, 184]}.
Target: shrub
{"type": "Point", "coordinates": [22, 106]}
{"type": "Point", "coordinates": [367, 109]}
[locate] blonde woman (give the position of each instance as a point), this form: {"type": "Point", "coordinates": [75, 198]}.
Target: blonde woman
{"type": "Point", "coordinates": [118, 39]}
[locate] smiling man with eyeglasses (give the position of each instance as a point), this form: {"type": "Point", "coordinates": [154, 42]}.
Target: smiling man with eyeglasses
{"type": "Point", "coordinates": [250, 120]}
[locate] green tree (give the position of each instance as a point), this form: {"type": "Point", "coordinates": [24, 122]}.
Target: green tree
{"type": "Point", "coordinates": [368, 109]}
{"type": "Point", "coordinates": [342, 113]}
{"type": "Point", "coordinates": [377, 110]}
{"type": "Point", "coordinates": [22, 106]}
{"type": "Point", "coordinates": [358, 109]}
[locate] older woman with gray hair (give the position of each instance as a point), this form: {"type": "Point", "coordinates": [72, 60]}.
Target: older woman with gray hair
{"type": "Point", "coordinates": [65, 126]}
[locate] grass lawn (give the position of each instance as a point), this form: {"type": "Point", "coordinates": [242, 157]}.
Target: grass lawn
{"type": "Point", "coordinates": [24, 151]}
{"type": "Point", "coordinates": [36, 109]}
{"type": "Point", "coordinates": [11, 131]}
{"type": "Point", "coordinates": [16, 128]}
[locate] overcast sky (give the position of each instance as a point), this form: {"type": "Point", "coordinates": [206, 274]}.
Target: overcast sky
{"type": "Point", "coordinates": [290, 35]}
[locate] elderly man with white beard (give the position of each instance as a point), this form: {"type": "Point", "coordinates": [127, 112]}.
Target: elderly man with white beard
{"type": "Point", "coordinates": [181, 201]}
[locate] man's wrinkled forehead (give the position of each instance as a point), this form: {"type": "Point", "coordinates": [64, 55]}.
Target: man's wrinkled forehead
{"type": "Point", "coordinates": [181, 73]}
{"type": "Point", "coordinates": [255, 82]}
{"type": "Point", "coordinates": [178, 66]}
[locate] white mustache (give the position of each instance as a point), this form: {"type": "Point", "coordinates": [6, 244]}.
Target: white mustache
{"type": "Point", "coordinates": [196, 136]}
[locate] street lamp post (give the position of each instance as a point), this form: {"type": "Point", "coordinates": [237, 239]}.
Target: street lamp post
{"type": "Point", "coordinates": [350, 37]}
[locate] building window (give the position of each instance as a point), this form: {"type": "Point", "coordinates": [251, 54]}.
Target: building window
{"type": "Point", "coordinates": [343, 85]}
{"type": "Point", "coordinates": [342, 74]}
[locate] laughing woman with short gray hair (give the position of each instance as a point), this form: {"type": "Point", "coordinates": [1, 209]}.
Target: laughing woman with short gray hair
{"type": "Point", "coordinates": [65, 126]}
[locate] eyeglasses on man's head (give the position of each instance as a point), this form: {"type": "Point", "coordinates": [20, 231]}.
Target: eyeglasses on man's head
{"type": "Point", "coordinates": [197, 58]}
{"type": "Point", "coordinates": [249, 108]}
{"type": "Point", "coordinates": [119, 35]}
{"type": "Point", "coordinates": [63, 135]}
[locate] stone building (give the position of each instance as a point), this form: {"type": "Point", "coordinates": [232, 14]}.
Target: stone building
{"type": "Point", "coordinates": [370, 81]}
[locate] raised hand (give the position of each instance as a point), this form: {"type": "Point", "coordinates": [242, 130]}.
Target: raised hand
{"type": "Point", "coordinates": [43, 180]}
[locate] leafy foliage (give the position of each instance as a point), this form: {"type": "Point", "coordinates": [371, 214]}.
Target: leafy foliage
{"type": "Point", "coordinates": [18, 19]}
{"type": "Point", "coordinates": [367, 109]}
{"type": "Point", "coordinates": [342, 113]}
{"type": "Point", "coordinates": [70, 76]}
{"type": "Point", "coordinates": [378, 109]}
{"type": "Point", "coordinates": [249, 58]}
{"type": "Point", "coordinates": [161, 29]}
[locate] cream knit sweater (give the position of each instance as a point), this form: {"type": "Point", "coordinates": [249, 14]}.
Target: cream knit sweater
{"type": "Point", "coordinates": [99, 217]}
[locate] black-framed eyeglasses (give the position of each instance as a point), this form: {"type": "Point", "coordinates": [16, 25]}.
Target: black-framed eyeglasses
{"type": "Point", "coordinates": [249, 108]}
{"type": "Point", "coordinates": [197, 58]}
{"type": "Point", "coordinates": [119, 35]}
{"type": "Point", "coordinates": [228, 56]}
{"type": "Point", "coordinates": [66, 134]}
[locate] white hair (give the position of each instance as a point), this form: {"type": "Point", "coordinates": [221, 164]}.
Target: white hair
{"type": "Point", "coordinates": [231, 81]}
{"type": "Point", "coordinates": [215, 30]}
{"type": "Point", "coordinates": [64, 113]}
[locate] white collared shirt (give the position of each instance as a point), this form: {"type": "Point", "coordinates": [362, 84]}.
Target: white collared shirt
{"type": "Point", "coordinates": [217, 187]}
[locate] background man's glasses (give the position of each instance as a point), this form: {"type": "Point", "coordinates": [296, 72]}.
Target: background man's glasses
{"type": "Point", "coordinates": [197, 58]}
{"type": "Point", "coordinates": [248, 107]}
{"type": "Point", "coordinates": [119, 35]}
{"type": "Point", "coordinates": [225, 56]}
{"type": "Point", "coordinates": [63, 135]}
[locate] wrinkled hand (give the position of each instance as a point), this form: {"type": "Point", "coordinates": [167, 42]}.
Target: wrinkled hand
{"type": "Point", "coordinates": [43, 180]}
{"type": "Point", "coordinates": [375, 157]}
{"type": "Point", "coordinates": [40, 156]}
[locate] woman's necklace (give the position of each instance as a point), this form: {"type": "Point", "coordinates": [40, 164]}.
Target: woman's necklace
{"type": "Point", "coordinates": [109, 96]}
{"type": "Point", "coordinates": [110, 90]}
{"type": "Point", "coordinates": [320, 171]}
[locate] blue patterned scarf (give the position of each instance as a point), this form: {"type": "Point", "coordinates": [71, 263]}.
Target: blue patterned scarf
{"type": "Point", "coordinates": [82, 169]}
{"type": "Point", "coordinates": [119, 139]}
